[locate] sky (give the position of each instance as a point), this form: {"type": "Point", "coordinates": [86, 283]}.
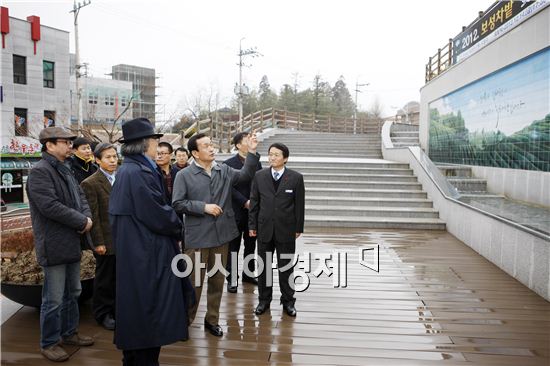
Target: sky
{"type": "Point", "coordinates": [193, 45]}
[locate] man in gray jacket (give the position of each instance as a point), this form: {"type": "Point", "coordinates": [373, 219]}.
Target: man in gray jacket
{"type": "Point", "coordinates": [202, 192]}
{"type": "Point", "coordinates": [60, 215]}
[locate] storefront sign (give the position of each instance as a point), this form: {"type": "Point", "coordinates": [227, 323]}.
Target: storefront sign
{"type": "Point", "coordinates": [20, 145]}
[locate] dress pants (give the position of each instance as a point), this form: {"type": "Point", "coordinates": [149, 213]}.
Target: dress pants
{"type": "Point", "coordinates": [215, 283]}
{"type": "Point", "coordinates": [235, 246]}
{"type": "Point", "coordinates": [141, 357]}
{"type": "Point", "coordinates": [103, 300]}
{"type": "Point", "coordinates": [266, 292]}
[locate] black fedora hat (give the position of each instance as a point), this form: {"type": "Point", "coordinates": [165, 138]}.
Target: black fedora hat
{"type": "Point", "coordinates": [138, 128]}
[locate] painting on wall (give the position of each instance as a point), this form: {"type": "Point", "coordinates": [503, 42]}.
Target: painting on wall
{"type": "Point", "coordinates": [501, 120]}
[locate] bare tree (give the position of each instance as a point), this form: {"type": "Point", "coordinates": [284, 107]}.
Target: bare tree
{"type": "Point", "coordinates": [111, 131]}
{"type": "Point", "coordinates": [376, 109]}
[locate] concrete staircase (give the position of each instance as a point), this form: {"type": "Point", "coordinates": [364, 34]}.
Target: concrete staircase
{"type": "Point", "coordinates": [461, 178]}
{"type": "Point", "coordinates": [326, 144]}
{"type": "Point", "coordinates": [404, 135]}
{"type": "Point", "coordinates": [348, 185]}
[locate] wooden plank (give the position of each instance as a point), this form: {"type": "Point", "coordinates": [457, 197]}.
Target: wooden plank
{"type": "Point", "coordinates": [434, 301]}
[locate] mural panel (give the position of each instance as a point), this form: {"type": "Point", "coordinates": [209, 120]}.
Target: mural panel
{"type": "Point", "coordinates": [502, 120]}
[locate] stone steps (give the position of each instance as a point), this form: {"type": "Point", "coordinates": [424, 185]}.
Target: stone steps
{"type": "Point", "coordinates": [375, 222]}
{"type": "Point", "coordinates": [354, 171]}
{"type": "Point", "coordinates": [365, 211]}
{"type": "Point", "coordinates": [368, 201]}
{"type": "Point", "coordinates": [344, 164]}
{"type": "Point", "coordinates": [403, 136]}
{"type": "Point", "coordinates": [361, 184]}
{"type": "Point", "coordinates": [467, 184]}
{"type": "Point", "coordinates": [356, 192]}
{"type": "Point", "coordinates": [349, 185]}
{"type": "Point", "coordinates": [346, 177]}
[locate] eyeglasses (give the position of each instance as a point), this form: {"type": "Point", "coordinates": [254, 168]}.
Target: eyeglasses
{"type": "Point", "coordinates": [66, 142]}
{"type": "Point", "coordinates": [163, 153]}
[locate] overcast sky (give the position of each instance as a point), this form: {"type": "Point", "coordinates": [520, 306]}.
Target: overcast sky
{"type": "Point", "coordinates": [193, 45]}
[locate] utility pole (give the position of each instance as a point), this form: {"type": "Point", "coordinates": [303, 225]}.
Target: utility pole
{"type": "Point", "coordinates": [357, 86]}
{"type": "Point", "coordinates": [76, 10]}
{"type": "Point", "coordinates": [241, 89]}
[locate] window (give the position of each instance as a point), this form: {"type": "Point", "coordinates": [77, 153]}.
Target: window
{"type": "Point", "coordinates": [49, 119]}
{"type": "Point", "coordinates": [123, 101]}
{"type": "Point", "coordinates": [19, 69]}
{"type": "Point", "coordinates": [48, 70]}
{"type": "Point", "coordinates": [109, 100]}
{"type": "Point", "coordinates": [92, 99]}
{"type": "Point", "coordinates": [21, 122]}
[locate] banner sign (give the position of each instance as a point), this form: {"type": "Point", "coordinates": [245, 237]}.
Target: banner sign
{"type": "Point", "coordinates": [498, 20]}
{"type": "Point", "coordinates": [21, 145]}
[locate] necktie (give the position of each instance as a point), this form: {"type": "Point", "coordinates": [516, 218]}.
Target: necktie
{"type": "Point", "coordinates": [276, 176]}
{"type": "Point", "coordinates": [111, 179]}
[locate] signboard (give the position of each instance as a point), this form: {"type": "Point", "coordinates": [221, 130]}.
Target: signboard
{"type": "Point", "coordinates": [499, 19]}
{"type": "Point", "coordinates": [20, 145]}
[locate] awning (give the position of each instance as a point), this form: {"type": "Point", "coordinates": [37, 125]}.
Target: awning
{"type": "Point", "coordinates": [18, 163]}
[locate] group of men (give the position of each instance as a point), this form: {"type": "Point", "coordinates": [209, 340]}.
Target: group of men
{"type": "Point", "coordinates": [139, 216]}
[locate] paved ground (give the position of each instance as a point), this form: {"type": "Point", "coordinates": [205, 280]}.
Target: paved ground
{"type": "Point", "coordinates": [434, 301]}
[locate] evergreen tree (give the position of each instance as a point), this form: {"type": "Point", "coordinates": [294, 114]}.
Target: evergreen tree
{"type": "Point", "coordinates": [341, 99]}
{"type": "Point", "coordinates": [267, 98]}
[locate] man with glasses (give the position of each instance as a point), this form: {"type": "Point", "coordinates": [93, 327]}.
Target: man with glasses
{"type": "Point", "coordinates": [163, 159]}
{"type": "Point", "coordinates": [60, 215]}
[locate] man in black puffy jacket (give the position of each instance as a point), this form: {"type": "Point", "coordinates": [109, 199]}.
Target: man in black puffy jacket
{"type": "Point", "coordinates": [60, 215]}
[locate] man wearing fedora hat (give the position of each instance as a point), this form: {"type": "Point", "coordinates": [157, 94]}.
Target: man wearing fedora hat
{"type": "Point", "coordinates": [60, 215]}
{"type": "Point", "coordinates": [149, 305]}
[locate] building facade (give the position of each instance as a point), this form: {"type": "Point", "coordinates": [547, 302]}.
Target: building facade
{"type": "Point", "coordinates": [35, 93]}
{"type": "Point", "coordinates": [35, 82]}
{"type": "Point", "coordinates": [103, 101]}
{"type": "Point", "coordinates": [144, 88]}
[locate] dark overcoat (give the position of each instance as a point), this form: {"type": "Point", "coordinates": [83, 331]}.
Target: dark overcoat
{"type": "Point", "coordinates": [150, 305]}
{"type": "Point", "coordinates": [56, 220]}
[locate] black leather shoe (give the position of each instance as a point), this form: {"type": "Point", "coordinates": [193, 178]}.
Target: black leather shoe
{"type": "Point", "coordinates": [108, 322]}
{"type": "Point", "coordinates": [231, 289]}
{"type": "Point", "coordinates": [261, 308]}
{"type": "Point", "coordinates": [250, 280]}
{"type": "Point", "coordinates": [215, 330]}
{"type": "Point", "coordinates": [289, 309]}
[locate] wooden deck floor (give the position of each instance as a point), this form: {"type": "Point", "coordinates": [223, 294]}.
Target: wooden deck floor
{"type": "Point", "coordinates": [434, 301]}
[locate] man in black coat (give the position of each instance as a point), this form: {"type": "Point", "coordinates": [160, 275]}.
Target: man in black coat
{"type": "Point", "coordinates": [151, 310]}
{"type": "Point", "coordinates": [277, 204]}
{"type": "Point", "coordinates": [240, 196]}
{"type": "Point", "coordinates": [60, 215]}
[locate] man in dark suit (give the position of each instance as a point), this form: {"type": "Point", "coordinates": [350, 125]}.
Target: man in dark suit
{"type": "Point", "coordinates": [276, 217]}
{"type": "Point", "coordinates": [240, 196]}
{"type": "Point", "coordinates": [97, 188]}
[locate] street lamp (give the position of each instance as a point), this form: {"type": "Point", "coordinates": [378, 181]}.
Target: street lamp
{"type": "Point", "coordinates": [357, 86]}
